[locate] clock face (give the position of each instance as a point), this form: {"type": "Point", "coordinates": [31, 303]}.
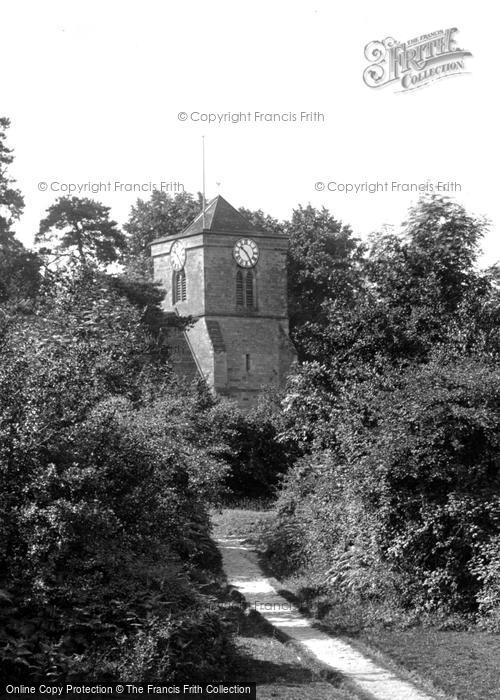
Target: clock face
{"type": "Point", "coordinates": [178, 255]}
{"type": "Point", "coordinates": [246, 252]}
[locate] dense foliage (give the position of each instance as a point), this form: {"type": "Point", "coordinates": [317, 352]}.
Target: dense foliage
{"type": "Point", "coordinates": [19, 268]}
{"type": "Point", "coordinates": [322, 268]}
{"type": "Point", "coordinates": [396, 499]}
{"type": "Point", "coordinates": [80, 227]}
{"type": "Point", "coordinates": [104, 496]}
{"type": "Point", "coordinates": [259, 454]}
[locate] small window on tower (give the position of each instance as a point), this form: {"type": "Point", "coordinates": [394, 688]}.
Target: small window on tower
{"type": "Point", "coordinates": [179, 292]}
{"type": "Point", "coordinates": [239, 288]}
{"type": "Point", "coordinates": [247, 362]}
{"type": "Point", "coordinates": [249, 295]}
{"type": "Point", "coordinates": [183, 285]}
{"type": "Point", "coordinates": [245, 289]}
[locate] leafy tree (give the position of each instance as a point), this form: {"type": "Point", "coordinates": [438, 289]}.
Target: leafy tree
{"type": "Point", "coordinates": [18, 267]}
{"type": "Point", "coordinates": [409, 293]}
{"type": "Point", "coordinates": [261, 221]}
{"type": "Point", "coordinates": [161, 215]}
{"type": "Point", "coordinates": [427, 279]}
{"type": "Point", "coordinates": [146, 296]}
{"type": "Point", "coordinates": [11, 200]}
{"type": "Point", "coordinates": [322, 262]}
{"type": "Point", "coordinates": [19, 271]}
{"type": "Point", "coordinates": [81, 227]}
{"type": "Point", "coordinates": [406, 296]}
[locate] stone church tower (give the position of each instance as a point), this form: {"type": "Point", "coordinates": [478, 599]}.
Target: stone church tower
{"type": "Point", "coordinates": [231, 278]}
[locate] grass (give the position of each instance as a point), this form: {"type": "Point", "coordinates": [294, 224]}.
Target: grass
{"type": "Point", "coordinates": [257, 505]}
{"type": "Point", "coordinates": [458, 664]}
{"type": "Point", "coordinates": [466, 665]}
{"type": "Point", "coordinates": [241, 522]}
{"type": "Point", "coordinates": [461, 664]}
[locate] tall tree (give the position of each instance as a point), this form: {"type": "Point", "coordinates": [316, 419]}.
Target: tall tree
{"type": "Point", "coordinates": [81, 227]}
{"type": "Point", "coordinates": [413, 296]}
{"type": "Point", "coordinates": [410, 293]}
{"type": "Point", "coordinates": [18, 266]}
{"type": "Point", "coordinates": [322, 265]}
{"type": "Point", "coordinates": [159, 216]}
{"type": "Point", "coordinates": [11, 199]}
{"type": "Point", "coordinates": [262, 221]}
{"type": "Point", "coordinates": [425, 283]}
{"type": "Point", "coordinates": [433, 262]}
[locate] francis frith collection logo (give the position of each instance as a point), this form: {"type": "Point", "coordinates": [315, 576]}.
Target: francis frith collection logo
{"type": "Point", "coordinates": [414, 63]}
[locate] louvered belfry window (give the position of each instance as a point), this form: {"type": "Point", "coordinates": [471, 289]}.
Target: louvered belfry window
{"type": "Point", "coordinates": [249, 301]}
{"type": "Point", "coordinates": [245, 289]}
{"type": "Point", "coordinates": [179, 286]}
{"type": "Point", "coordinates": [183, 285]}
{"type": "Point", "coordinates": [240, 300]}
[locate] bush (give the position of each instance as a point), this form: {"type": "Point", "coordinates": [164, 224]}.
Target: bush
{"type": "Point", "coordinates": [259, 453]}
{"type": "Point", "coordinates": [407, 503]}
{"type": "Point", "coordinates": [104, 510]}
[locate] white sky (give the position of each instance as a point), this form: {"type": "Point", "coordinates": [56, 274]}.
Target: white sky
{"type": "Point", "coordinates": [93, 90]}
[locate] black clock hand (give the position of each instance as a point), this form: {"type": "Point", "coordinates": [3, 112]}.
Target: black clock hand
{"type": "Point", "coordinates": [249, 258]}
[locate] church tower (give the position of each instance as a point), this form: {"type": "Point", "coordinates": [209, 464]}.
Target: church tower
{"type": "Point", "coordinates": [231, 278]}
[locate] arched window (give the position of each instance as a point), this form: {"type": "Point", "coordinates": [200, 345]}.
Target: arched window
{"type": "Point", "coordinates": [249, 291]}
{"type": "Point", "coordinates": [240, 299]}
{"type": "Point", "coordinates": [245, 289]}
{"type": "Point", "coordinates": [179, 286]}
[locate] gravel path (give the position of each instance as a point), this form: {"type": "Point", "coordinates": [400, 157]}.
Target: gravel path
{"type": "Point", "coordinates": [244, 573]}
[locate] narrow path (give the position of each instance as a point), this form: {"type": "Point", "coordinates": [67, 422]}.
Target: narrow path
{"type": "Point", "coordinates": [244, 573]}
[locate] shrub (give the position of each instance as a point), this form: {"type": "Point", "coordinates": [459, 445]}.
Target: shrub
{"type": "Point", "coordinates": [104, 511]}
{"type": "Point", "coordinates": [259, 452]}
{"type": "Point", "coordinates": [409, 497]}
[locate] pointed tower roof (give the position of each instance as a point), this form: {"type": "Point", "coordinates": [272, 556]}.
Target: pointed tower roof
{"type": "Point", "coordinates": [219, 216]}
